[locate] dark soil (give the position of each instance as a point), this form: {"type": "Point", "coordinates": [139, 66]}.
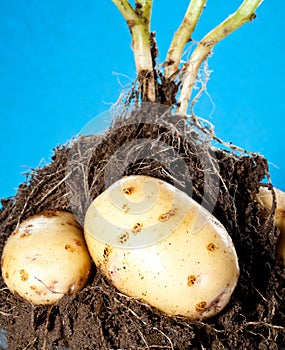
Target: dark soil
{"type": "Point", "coordinates": [98, 317]}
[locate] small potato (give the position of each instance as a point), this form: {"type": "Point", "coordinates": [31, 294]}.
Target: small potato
{"type": "Point", "coordinates": [157, 244]}
{"type": "Point", "coordinates": [46, 257]}
{"type": "Point", "coordinates": [265, 197]}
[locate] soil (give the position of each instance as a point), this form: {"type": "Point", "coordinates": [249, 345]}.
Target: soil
{"type": "Point", "coordinates": [99, 317]}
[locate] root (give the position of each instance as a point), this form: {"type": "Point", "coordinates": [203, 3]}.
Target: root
{"type": "Point", "coordinates": [44, 347]}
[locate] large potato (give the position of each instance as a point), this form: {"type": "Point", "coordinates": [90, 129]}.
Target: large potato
{"type": "Point", "coordinates": [157, 244]}
{"type": "Point", "coordinates": [46, 257]}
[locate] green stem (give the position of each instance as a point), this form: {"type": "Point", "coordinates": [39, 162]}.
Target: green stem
{"type": "Point", "coordinates": [126, 10]}
{"type": "Point", "coordinates": [181, 37]}
{"type": "Point", "coordinates": [138, 21]}
{"type": "Point", "coordinates": [244, 13]}
{"type": "Point", "coordinates": [143, 8]}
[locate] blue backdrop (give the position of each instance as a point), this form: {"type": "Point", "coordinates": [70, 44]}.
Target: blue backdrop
{"type": "Point", "coordinates": [59, 66]}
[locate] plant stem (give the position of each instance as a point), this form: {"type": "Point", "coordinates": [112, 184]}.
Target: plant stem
{"type": "Point", "coordinates": [138, 21]}
{"type": "Point", "coordinates": [243, 14]}
{"type": "Point", "coordinates": [143, 8]}
{"type": "Point", "coordinates": [181, 37]}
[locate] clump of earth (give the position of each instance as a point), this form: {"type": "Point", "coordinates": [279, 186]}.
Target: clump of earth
{"type": "Point", "coordinates": [99, 317]}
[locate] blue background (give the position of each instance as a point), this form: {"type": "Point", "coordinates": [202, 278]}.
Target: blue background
{"type": "Point", "coordinates": [59, 66]}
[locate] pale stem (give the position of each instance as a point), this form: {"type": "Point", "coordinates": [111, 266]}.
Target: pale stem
{"type": "Point", "coordinates": [138, 21]}
{"type": "Point", "coordinates": [243, 14]}
{"type": "Point", "coordinates": [143, 8]}
{"type": "Point", "coordinates": [181, 37]}
{"type": "Point", "coordinates": [126, 10]}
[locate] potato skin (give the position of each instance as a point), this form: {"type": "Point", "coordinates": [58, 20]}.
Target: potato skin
{"type": "Point", "coordinates": [46, 257]}
{"type": "Point", "coordinates": [192, 271]}
{"type": "Point", "coordinates": [265, 198]}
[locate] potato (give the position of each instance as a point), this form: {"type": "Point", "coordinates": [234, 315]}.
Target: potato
{"type": "Point", "coordinates": [265, 197]}
{"type": "Point", "coordinates": [157, 244]}
{"type": "Point", "coordinates": [46, 257]}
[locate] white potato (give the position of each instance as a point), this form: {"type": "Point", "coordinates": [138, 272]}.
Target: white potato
{"type": "Point", "coordinates": [265, 197]}
{"type": "Point", "coordinates": [157, 244]}
{"type": "Point", "coordinates": [46, 257]}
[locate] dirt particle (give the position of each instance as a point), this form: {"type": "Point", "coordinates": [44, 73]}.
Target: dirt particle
{"type": "Point", "coordinates": [71, 289]}
{"type": "Point", "coordinates": [137, 228]}
{"type": "Point", "coordinates": [191, 279]}
{"type": "Point", "coordinates": [253, 16]}
{"type": "Point", "coordinates": [69, 248]}
{"type": "Point", "coordinates": [201, 307]}
{"type": "Point", "coordinates": [166, 216]}
{"type": "Point", "coordinates": [212, 247]}
{"type": "Point", "coordinates": [33, 288]}
{"type": "Point", "coordinates": [73, 224]}
{"type": "Point", "coordinates": [69, 223]}
{"type": "Point", "coordinates": [40, 292]}
{"type": "Point", "coordinates": [26, 233]}
{"type": "Point", "coordinates": [52, 286]}
{"type": "Point", "coordinates": [77, 242]}
{"type": "Point", "coordinates": [80, 281]}
{"type": "Point", "coordinates": [128, 190]}
{"type": "Point", "coordinates": [123, 237]}
{"type": "Point", "coordinates": [49, 213]}
{"type": "Point", "coordinates": [126, 208]}
{"type": "Point", "coordinates": [7, 275]}
{"type": "Point", "coordinates": [107, 251]}
{"type": "Point", "coordinates": [24, 275]}
{"type": "Point", "coordinates": [34, 257]}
